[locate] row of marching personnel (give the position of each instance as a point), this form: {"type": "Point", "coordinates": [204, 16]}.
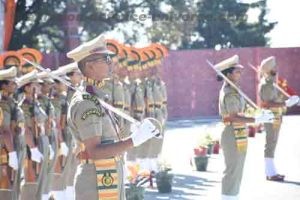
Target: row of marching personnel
{"type": "Point", "coordinates": [38, 153]}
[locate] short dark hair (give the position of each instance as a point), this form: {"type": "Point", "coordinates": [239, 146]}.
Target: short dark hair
{"type": "Point", "coordinates": [3, 82]}
{"type": "Point", "coordinates": [225, 72]}
{"type": "Point", "coordinates": [22, 89]}
{"type": "Point", "coordinates": [81, 66]}
{"type": "Point", "coordinates": [70, 74]}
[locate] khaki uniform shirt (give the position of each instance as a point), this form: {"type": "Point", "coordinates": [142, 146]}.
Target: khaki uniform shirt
{"type": "Point", "coordinates": [137, 100]}
{"type": "Point", "coordinates": [268, 93]}
{"type": "Point", "coordinates": [149, 100]}
{"type": "Point", "coordinates": [230, 101]}
{"type": "Point", "coordinates": [88, 119]}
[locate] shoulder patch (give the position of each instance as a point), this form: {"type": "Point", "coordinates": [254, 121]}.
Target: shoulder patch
{"type": "Point", "coordinates": [92, 111]}
{"type": "Point", "coordinates": [91, 98]}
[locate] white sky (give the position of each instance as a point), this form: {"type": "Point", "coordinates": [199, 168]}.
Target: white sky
{"type": "Point", "coordinates": [287, 13]}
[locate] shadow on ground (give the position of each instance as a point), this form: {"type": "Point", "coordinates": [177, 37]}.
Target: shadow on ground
{"type": "Point", "coordinates": [184, 187]}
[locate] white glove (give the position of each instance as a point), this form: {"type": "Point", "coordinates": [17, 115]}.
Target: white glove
{"type": "Point", "coordinates": [293, 100]}
{"type": "Point", "coordinates": [266, 116]}
{"type": "Point", "coordinates": [51, 152]}
{"type": "Point", "coordinates": [42, 128]}
{"type": "Point", "coordinates": [64, 150]}
{"type": "Point", "coordinates": [13, 160]}
{"type": "Point", "coordinates": [36, 155]}
{"type": "Point", "coordinates": [143, 132]}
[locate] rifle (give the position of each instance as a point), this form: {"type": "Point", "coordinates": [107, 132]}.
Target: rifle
{"type": "Point", "coordinates": [275, 84]}
{"type": "Point", "coordinates": [147, 110]}
{"type": "Point", "coordinates": [18, 128]}
{"type": "Point", "coordinates": [133, 100]}
{"type": "Point", "coordinates": [35, 130]}
{"type": "Point", "coordinates": [44, 141]}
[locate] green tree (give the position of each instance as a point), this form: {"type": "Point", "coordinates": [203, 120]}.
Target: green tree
{"type": "Point", "coordinates": [36, 20]}
{"type": "Point", "coordinates": [225, 23]}
{"type": "Point", "coordinates": [186, 24]}
{"type": "Point", "coordinates": [39, 23]}
{"type": "Point", "coordinates": [174, 27]}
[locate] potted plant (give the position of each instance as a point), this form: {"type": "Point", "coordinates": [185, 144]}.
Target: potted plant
{"type": "Point", "coordinates": [136, 178]}
{"type": "Point", "coordinates": [200, 159]}
{"type": "Point", "coordinates": [164, 179]}
{"type": "Point", "coordinates": [251, 130]}
{"type": "Point", "coordinates": [216, 147]}
{"type": "Point", "coordinates": [134, 192]}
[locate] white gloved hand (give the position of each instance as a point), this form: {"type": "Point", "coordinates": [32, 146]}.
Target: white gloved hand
{"type": "Point", "coordinates": [51, 152]}
{"type": "Point", "coordinates": [266, 116]}
{"type": "Point", "coordinates": [64, 150]}
{"type": "Point", "coordinates": [143, 132]}
{"type": "Point", "coordinates": [13, 160]}
{"type": "Point", "coordinates": [293, 100]}
{"type": "Point", "coordinates": [36, 155]}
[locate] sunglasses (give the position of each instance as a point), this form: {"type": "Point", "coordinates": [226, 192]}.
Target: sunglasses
{"type": "Point", "coordinates": [106, 60]}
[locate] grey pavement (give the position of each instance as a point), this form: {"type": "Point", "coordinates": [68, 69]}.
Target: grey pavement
{"type": "Point", "coordinates": [181, 137]}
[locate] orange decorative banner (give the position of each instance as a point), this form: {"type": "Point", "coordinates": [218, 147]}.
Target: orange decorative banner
{"type": "Point", "coordinates": [9, 17]}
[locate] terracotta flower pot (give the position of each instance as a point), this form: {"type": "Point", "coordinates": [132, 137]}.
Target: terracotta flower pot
{"type": "Point", "coordinates": [251, 131]}
{"type": "Point", "coordinates": [200, 151]}
{"type": "Point", "coordinates": [216, 147]}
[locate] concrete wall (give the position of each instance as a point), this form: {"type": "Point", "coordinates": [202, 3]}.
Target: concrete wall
{"type": "Point", "coordinates": [192, 86]}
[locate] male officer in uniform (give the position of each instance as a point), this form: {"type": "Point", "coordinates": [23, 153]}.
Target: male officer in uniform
{"type": "Point", "coordinates": [8, 155]}
{"type": "Point", "coordinates": [156, 82]}
{"type": "Point", "coordinates": [31, 114]}
{"type": "Point", "coordinates": [61, 102]}
{"type": "Point", "coordinates": [52, 179]}
{"type": "Point", "coordinates": [99, 175]}
{"type": "Point", "coordinates": [270, 99]}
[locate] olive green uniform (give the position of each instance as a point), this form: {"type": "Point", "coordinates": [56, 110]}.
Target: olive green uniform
{"type": "Point", "coordinates": [127, 104]}
{"type": "Point", "coordinates": [149, 112]}
{"type": "Point", "coordinates": [233, 140]}
{"type": "Point", "coordinates": [118, 101]}
{"type": "Point", "coordinates": [156, 143]}
{"type": "Point", "coordinates": [6, 192]}
{"type": "Point", "coordinates": [34, 190]}
{"type": "Point", "coordinates": [268, 92]}
{"type": "Point", "coordinates": [164, 107]}
{"type": "Point", "coordinates": [13, 113]}
{"type": "Point", "coordinates": [137, 111]}
{"type": "Point", "coordinates": [60, 105]}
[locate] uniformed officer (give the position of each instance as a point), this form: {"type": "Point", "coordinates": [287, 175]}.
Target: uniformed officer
{"type": "Point", "coordinates": [8, 154]}
{"type": "Point", "coordinates": [54, 184]}
{"type": "Point", "coordinates": [118, 95]}
{"type": "Point", "coordinates": [138, 106]}
{"type": "Point", "coordinates": [63, 97]}
{"type": "Point", "coordinates": [99, 175]}
{"type": "Point", "coordinates": [158, 99]}
{"type": "Point", "coordinates": [33, 128]}
{"type": "Point", "coordinates": [270, 99]}
{"type": "Point", "coordinates": [234, 135]}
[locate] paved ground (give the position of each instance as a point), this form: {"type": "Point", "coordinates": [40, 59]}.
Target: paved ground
{"type": "Point", "coordinates": [182, 136]}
